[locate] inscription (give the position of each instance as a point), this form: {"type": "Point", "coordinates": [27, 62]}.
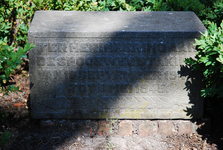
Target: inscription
{"type": "Point", "coordinates": [131, 60]}
{"type": "Point", "coordinates": [116, 74]}
{"type": "Point", "coordinates": [63, 47]}
{"type": "Point", "coordinates": [53, 47]}
{"type": "Point", "coordinates": [81, 88]}
{"type": "Point", "coordinates": [112, 47]}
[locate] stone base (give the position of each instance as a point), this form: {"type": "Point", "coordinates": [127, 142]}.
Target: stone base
{"type": "Point", "coordinates": [142, 128]}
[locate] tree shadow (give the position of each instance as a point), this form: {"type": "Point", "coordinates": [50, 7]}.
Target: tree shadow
{"type": "Point", "coordinates": [210, 125]}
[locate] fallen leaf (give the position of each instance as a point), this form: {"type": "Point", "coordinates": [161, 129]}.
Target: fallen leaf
{"type": "Point", "coordinates": [18, 104]}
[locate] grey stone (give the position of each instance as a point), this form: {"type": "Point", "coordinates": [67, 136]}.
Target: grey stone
{"type": "Point", "coordinates": [126, 65]}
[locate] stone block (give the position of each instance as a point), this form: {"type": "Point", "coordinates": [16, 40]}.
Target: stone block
{"type": "Point", "coordinates": [148, 128]}
{"type": "Point", "coordinates": [125, 128]}
{"type": "Point", "coordinates": [104, 128]}
{"type": "Point", "coordinates": [185, 127]}
{"type": "Point", "coordinates": [87, 128]}
{"type": "Point", "coordinates": [126, 65]}
{"type": "Point", "coordinates": [166, 127]}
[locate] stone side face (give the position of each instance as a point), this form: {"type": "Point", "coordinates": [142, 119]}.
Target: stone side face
{"type": "Point", "coordinates": [111, 77]}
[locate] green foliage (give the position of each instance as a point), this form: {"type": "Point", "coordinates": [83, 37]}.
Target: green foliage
{"type": "Point", "coordinates": [186, 5]}
{"type": "Point", "coordinates": [109, 147]}
{"type": "Point", "coordinates": [9, 60]}
{"type": "Point", "coordinates": [5, 138]}
{"type": "Point", "coordinates": [215, 14]}
{"type": "Point", "coordinates": [15, 17]}
{"type": "Point", "coordinates": [209, 60]}
{"type": "Point", "coordinates": [158, 5]}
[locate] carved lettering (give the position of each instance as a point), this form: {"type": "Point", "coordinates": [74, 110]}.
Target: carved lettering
{"type": "Point", "coordinates": [122, 61]}
{"type": "Point", "coordinates": [71, 89]}
{"type": "Point", "coordinates": [118, 74]}
{"type": "Point", "coordinates": [92, 88]}
{"type": "Point", "coordinates": [101, 47]}
{"type": "Point", "coordinates": [131, 60]}
{"type": "Point", "coordinates": [63, 47]}
{"type": "Point", "coordinates": [150, 48]}
{"type": "Point", "coordinates": [100, 87]}
{"type": "Point", "coordinates": [173, 48]}
{"type": "Point", "coordinates": [108, 47]}
{"type": "Point", "coordinates": [109, 60]}
{"type": "Point", "coordinates": [160, 61]}
{"type": "Point", "coordinates": [80, 60]}
{"type": "Point", "coordinates": [101, 75]}
{"type": "Point", "coordinates": [113, 88]}
{"type": "Point", "coordinates": [61, 75]}
{"type": "Point", "coordinates": [150, 81]}
{"type": "Point", "coordinates": [53, 47]}
{"type": "Point", "coordinates": [143, 88]}
{"type": "Point", "coordinates": [117, 47]}
{"type": "Point", "coordinates": [161, 47]}
{"type": "Point", "coordinates": [150, 75]}
{"type": "Point", "coordinates": [136, 88]}
{"type": "Point", "coordinates": [160, 75]}
{"type": "Point", "coordinates": [42, 48]}
{"type": "Point", "coordinates": [82, 88]}
{"type": "Point", "coordinates": [50, 61]}
{"type": "Point", "coordinates": [161, 88]}
{"type": "Point", "coordinates": [98, 61]}
{"type": "Point", "coordinates": [41, 61]}
{"type": "Point", "coordinates": [73, 75]}
{"type": "Point", "coordinates": [125, 88]}
{"type": "Point", "coordinates": [89, 61]}
{"type": "Point", "coordinates": [46, 74]}
{"type": "Point", "coordinates": [94, 47]}
{"type": "Point", "coordinates": [49, 74]}
{"type": "Point", "coordinates": [141, 61]}
{"type": "Point", "coordinates": [140, 47]}
{"type": "Point", "coordinates": [61, 61]}
{"type": "Point", "coordinates": [82, 75]}
{"type": "Point", "coordinates": [139, 74]}
{"type": "Point", "coordinates": [70, 61]}
{"type": "Point", "coordinates": [92, 75]}
{"type": "Point", "coordinates": [128, 47]}
{"type": "Point", "coordinates": [73, 47]}
{"type": "Point", "coordinates": [41, 73]}
{"type": "Point", "coordinates": [152, 61]}
{"type": "Point", "coordinates": [84, 47]}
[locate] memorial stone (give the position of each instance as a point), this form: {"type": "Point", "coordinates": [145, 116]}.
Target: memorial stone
{"type": "Point", "coordinates": [126, 65]}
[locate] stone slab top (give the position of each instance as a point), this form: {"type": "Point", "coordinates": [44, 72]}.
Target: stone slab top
{"type": "Point", "coordinates": [116, 23]}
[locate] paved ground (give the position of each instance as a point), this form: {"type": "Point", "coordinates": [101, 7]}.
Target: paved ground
{"type": "Point", "coordinates": [30, 136]}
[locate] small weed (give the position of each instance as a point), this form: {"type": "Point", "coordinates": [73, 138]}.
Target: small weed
{"type": "Point", "coordinates": [111, 122]}
{"type": "Point", "coordinates": [110, 147]}
{"type": "Point", "coordinates": [5, 139]}
{"type": "Point", "coordinates": [4, 116]}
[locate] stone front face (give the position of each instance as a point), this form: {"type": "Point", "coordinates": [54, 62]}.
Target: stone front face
{"type": "Point", "coordinates": [118, 75]}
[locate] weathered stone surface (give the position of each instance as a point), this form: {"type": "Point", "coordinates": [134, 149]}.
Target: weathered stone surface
{"type": "Point", "coordinates": [113, 64]}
